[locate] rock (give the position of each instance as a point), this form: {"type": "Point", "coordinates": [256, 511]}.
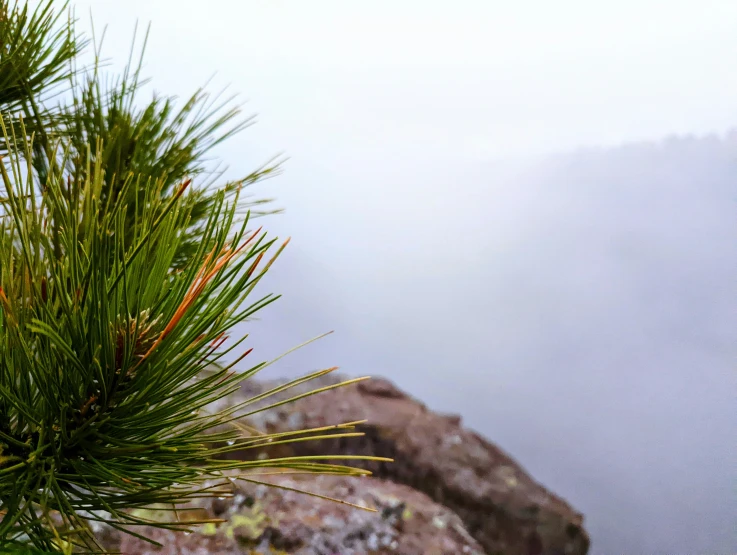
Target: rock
{"type": "Point", "coordinates": [500, 504]}
{"type": "Point", "coordinates": [272, 520]}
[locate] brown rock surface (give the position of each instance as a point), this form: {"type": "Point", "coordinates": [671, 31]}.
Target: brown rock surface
{"type": "Point", "coordinates": [272, 520]}
{"type": "Point", "coordinates": [500, 504]}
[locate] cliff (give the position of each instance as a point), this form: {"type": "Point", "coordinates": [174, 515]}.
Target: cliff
{"type": "Point", "coordinates": [449, 490]}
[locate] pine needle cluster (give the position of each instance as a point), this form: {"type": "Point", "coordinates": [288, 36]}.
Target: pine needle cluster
{"type": "Point", "coordinates": [121, 286]}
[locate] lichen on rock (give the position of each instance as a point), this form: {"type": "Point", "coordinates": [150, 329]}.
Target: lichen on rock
{"type": "Point", "coordinates": [276, 521]}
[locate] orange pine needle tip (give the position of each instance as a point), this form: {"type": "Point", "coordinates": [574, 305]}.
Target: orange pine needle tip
{"type": "Point", "coordinates": [183, 187]}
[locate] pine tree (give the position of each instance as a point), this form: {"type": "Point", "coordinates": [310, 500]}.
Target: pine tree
{"type": "Point", "coordinates": [124, 268]}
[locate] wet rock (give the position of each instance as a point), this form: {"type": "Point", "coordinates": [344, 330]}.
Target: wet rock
{"type": "Point", "coordinates": [500, 504]}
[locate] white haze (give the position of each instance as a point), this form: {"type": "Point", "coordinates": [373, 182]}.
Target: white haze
{"type": "Point", "coordinates": [575, 306]}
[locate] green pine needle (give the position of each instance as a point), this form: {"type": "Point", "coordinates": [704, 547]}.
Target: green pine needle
{"type": "Point", "coordinates": [107, 354]}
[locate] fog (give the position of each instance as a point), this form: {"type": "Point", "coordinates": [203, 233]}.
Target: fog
{"type": "Point", "coordinates": [524, 215]}
{"type": "Point", "coordinates": [580, 314]}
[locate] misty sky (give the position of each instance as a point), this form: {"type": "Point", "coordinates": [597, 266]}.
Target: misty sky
{"type": "Point", "coordinates": [488, 206]}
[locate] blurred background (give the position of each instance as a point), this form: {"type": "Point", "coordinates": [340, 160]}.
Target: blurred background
{"type": "Point", "coordinates": [522, 212]}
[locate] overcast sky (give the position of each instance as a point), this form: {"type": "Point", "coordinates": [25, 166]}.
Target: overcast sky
{"type": "Point", "coordinates": [480, 78]}
{"type": "Point", "coordinates": [455, 220]}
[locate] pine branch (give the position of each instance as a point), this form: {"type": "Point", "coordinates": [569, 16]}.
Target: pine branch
{"type": "Point", "coordinates": [124, 268]}
{"type": "Point", "coordinates": [106, 354]}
